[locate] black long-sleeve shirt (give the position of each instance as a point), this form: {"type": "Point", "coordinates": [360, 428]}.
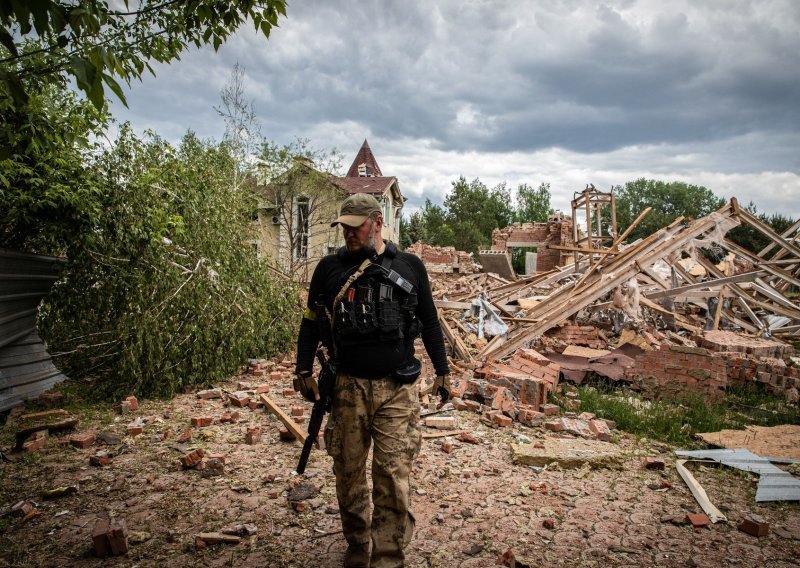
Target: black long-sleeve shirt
{"type": "Point", "coordinates": [375, 360]}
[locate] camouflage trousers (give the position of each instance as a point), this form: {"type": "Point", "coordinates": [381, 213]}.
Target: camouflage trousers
{"type": "Point", "coordinates": [386, 413]}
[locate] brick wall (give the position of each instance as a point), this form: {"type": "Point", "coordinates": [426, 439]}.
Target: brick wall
{"type": "Point", "coordinates": [731, 342]}
{"type": "Point", "coordinates": [444, 260]}
{"type": "Point", "coordinates": [673, 370]}
{"type": "Point", "coordinates": [586, 335]}
{"type": "Point", "coordinates": [774, 374]}
{"type": "Point", "coordinates": [557, 231]}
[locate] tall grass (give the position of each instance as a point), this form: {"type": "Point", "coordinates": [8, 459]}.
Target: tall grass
{"type": "Point", "coordinates": [678, 421]}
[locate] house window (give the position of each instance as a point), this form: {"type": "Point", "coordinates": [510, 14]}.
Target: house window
{"type": "Point", "coordinates": [387, 210]}
{"type": "Point", "coordinates": [362, 170]}
{"type": "Point", "coordinates": [302, 216]}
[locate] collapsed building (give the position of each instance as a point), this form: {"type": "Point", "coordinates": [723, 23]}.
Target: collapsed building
{"type": "Point", "coordinates": [656, 315]}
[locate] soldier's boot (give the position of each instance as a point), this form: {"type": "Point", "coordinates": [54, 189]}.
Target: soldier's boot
{"type": "Point", "coordinates": [357, 556]}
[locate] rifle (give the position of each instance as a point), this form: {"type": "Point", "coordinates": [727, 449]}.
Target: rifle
{"type": "Point", "coordinates": [327, 378]}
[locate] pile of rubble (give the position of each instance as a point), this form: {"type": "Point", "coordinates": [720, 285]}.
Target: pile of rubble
{"type": "Point", "coordinates": [444, 260]}
{"type": "Point", "coordinates": [656, 314]}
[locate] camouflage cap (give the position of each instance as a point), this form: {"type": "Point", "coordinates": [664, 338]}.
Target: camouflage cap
{"type": "Point", "coordinates": [356, 209]}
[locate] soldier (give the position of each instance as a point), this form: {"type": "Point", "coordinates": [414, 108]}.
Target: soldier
{"type": "Point", "coordinates": [368, 302]}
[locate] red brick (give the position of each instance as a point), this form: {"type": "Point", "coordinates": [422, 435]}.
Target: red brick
{"type": "Point", "coordinates": [35, 441]}
{"type": "Point", "coordinates": [193, 458]}
{"type": "Point", "coordinates": [754, 525]}
{"type": "Point", "coordinates": [502, 420]}
{"type": "Point", "coordinates": [133, 403]}
{"type": "Point", "coordinates": [468, 438]}
{"type": "Point", "coordinates": [600, 430]}
{"type": "Point", "coordinates": [286, 435]}
{"type": "Point", "coordinates": [447, 447]}
{"type": "Point", "coordinates": [102, 547]}
{"type": "Point", "coordinates": [289, 392]}
{"type": "Point", "coordinates": [82, 441]}
{"type": "Point", "coordinates": [553, 425]}
{"type": "Point", "coordinates": [473, 405]}
{"type": "Point", "coordinates": [239, 399]}
{"type": "Point", "coordinates": [100, 459]}
{"type": "Point", "coordinates": [201, 421]}
{"type": "Point", "coordinates": [253, 435]}
{"type": "Point", "coordinates": [252, 404]}
{"type": "Point", "coordinates": [186, 436]}
{"type": "Point", "coordinates": [135, 430]}
{"type": "Point", "coordinates": [221, 457]}
{"type": "Point", "coordinates": [297, 411]}
{"type": "Point", "coordinates": [262, 388]}
{"type": "Point", "coordinates": [698, 520]}
{"type": "Point", "coordinates": [652, 462]}
{"type": "Point", "coordinates": [550, 409]}
{"type": "Point", "coordinates": [118, 538]}
{"type": "Point", "coordinates": [276, 375]}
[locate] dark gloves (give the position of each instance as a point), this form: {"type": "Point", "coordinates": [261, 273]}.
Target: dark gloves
{"type": "Point", "coordinates": [441, 387]}
{"type": "Point", "coordinates": [307, 386]}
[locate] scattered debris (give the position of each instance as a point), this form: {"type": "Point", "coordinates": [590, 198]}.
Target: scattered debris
{"type": "Point", "coordinates": [774, 484]}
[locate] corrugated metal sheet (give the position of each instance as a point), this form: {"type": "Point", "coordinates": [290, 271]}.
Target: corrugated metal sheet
{"type": "Point", "coordinates": [26, 369]}
{"type": "Point", "coordinates": [774, 484]}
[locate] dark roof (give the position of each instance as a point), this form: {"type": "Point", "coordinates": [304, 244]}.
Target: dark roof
{"type": "Point", "coordinates": [372, 185]}
{"type": "Point", "coordinates": [365, 157]}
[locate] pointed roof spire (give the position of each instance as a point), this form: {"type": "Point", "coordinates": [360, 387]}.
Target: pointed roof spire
{"type": "Point", "coordinates": [366, 159]}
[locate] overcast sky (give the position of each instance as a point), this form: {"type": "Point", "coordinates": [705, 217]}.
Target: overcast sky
{"type": "Point", "coordinates": [568, 92]}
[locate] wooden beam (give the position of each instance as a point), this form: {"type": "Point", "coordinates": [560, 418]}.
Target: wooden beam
{"type": "Point", "coordinates": [713, 284]}
{"type": "Point", "coordinates": [718, 310]}
{"type": "Point", "coordinates": [283, 417]}
{"type": "Point", "coordinates": [580, 249]}
{"type": "Point", "coordinates": [765, 229]}
{"type": "Point", "coordinates": [786, 234]}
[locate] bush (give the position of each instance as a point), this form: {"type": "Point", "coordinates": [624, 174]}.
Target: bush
{"type": "Point", "coordinates": [166, 292]}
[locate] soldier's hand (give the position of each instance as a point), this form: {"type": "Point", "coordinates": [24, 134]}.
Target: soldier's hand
{"type": "Point", "coordinates": [306, 385]}
{"type": "Point", "coordinates": [441, 387]}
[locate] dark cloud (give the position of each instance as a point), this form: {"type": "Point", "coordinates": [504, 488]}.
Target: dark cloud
{"type": "Point", "coordinates": [473, 83]}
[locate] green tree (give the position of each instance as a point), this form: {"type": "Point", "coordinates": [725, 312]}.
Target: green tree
{"type": "Point", "coordinates": [169, 294]}
{"type": "Point", "coordinates": [412, 230]}
{"type": "Point", "coordinates": [669, 201]}
{"type": "Point", "coordinates": [49, 199]}
{"type": "Point", "coordinates": [533, 205]}
{"type": "Point", "coordinates": [46, 43]}
{"type": "Point", "coordinates": [435, 225]}
{"type": "Point", "coordinates": [474, 211]}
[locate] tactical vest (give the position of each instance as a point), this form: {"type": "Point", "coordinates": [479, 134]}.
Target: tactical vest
{"type": "Point", "coordinates": [379, 306]}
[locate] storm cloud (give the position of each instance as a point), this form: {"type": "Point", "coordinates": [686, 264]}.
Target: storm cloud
{"type": "Point", "coordinates": [568, 92]}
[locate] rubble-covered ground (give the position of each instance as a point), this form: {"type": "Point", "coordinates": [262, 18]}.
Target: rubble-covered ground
{"type": "Point", "coordinates": [472, 504]}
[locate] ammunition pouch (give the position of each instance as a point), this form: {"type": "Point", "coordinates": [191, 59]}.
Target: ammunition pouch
{"type": "Point", "coordinates": [409, 373]}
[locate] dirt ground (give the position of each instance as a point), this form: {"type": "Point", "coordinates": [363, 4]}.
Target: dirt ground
{"type": "Point", "coordinates": [472, 505]}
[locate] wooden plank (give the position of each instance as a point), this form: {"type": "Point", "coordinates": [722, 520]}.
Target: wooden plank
{"type": "Point", "coordinates": [718, 310]}
{"type": "Point", "coordinates": [580, 249]}
{"type": "Point", "coordinates": [429, 435]}
{"type": "Point", "coordinates": [713, 284]}
{"type": "Point", "coordinates": [736, 249]}
{"type": "Point", "coordinates": [614, 246]}
{"type": "Point", "coordinates": [283, 417]}
{"type": "Point", "coordinates": [679, 319]}
{"type": "Point", "coordinates": [766, 230]}
{"type": "Point", "coordinates": [786, 234]}
{"type": "Point", "coordinates": [714, 514]}
{"type": "Point", "coordinates": [657, 246]}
